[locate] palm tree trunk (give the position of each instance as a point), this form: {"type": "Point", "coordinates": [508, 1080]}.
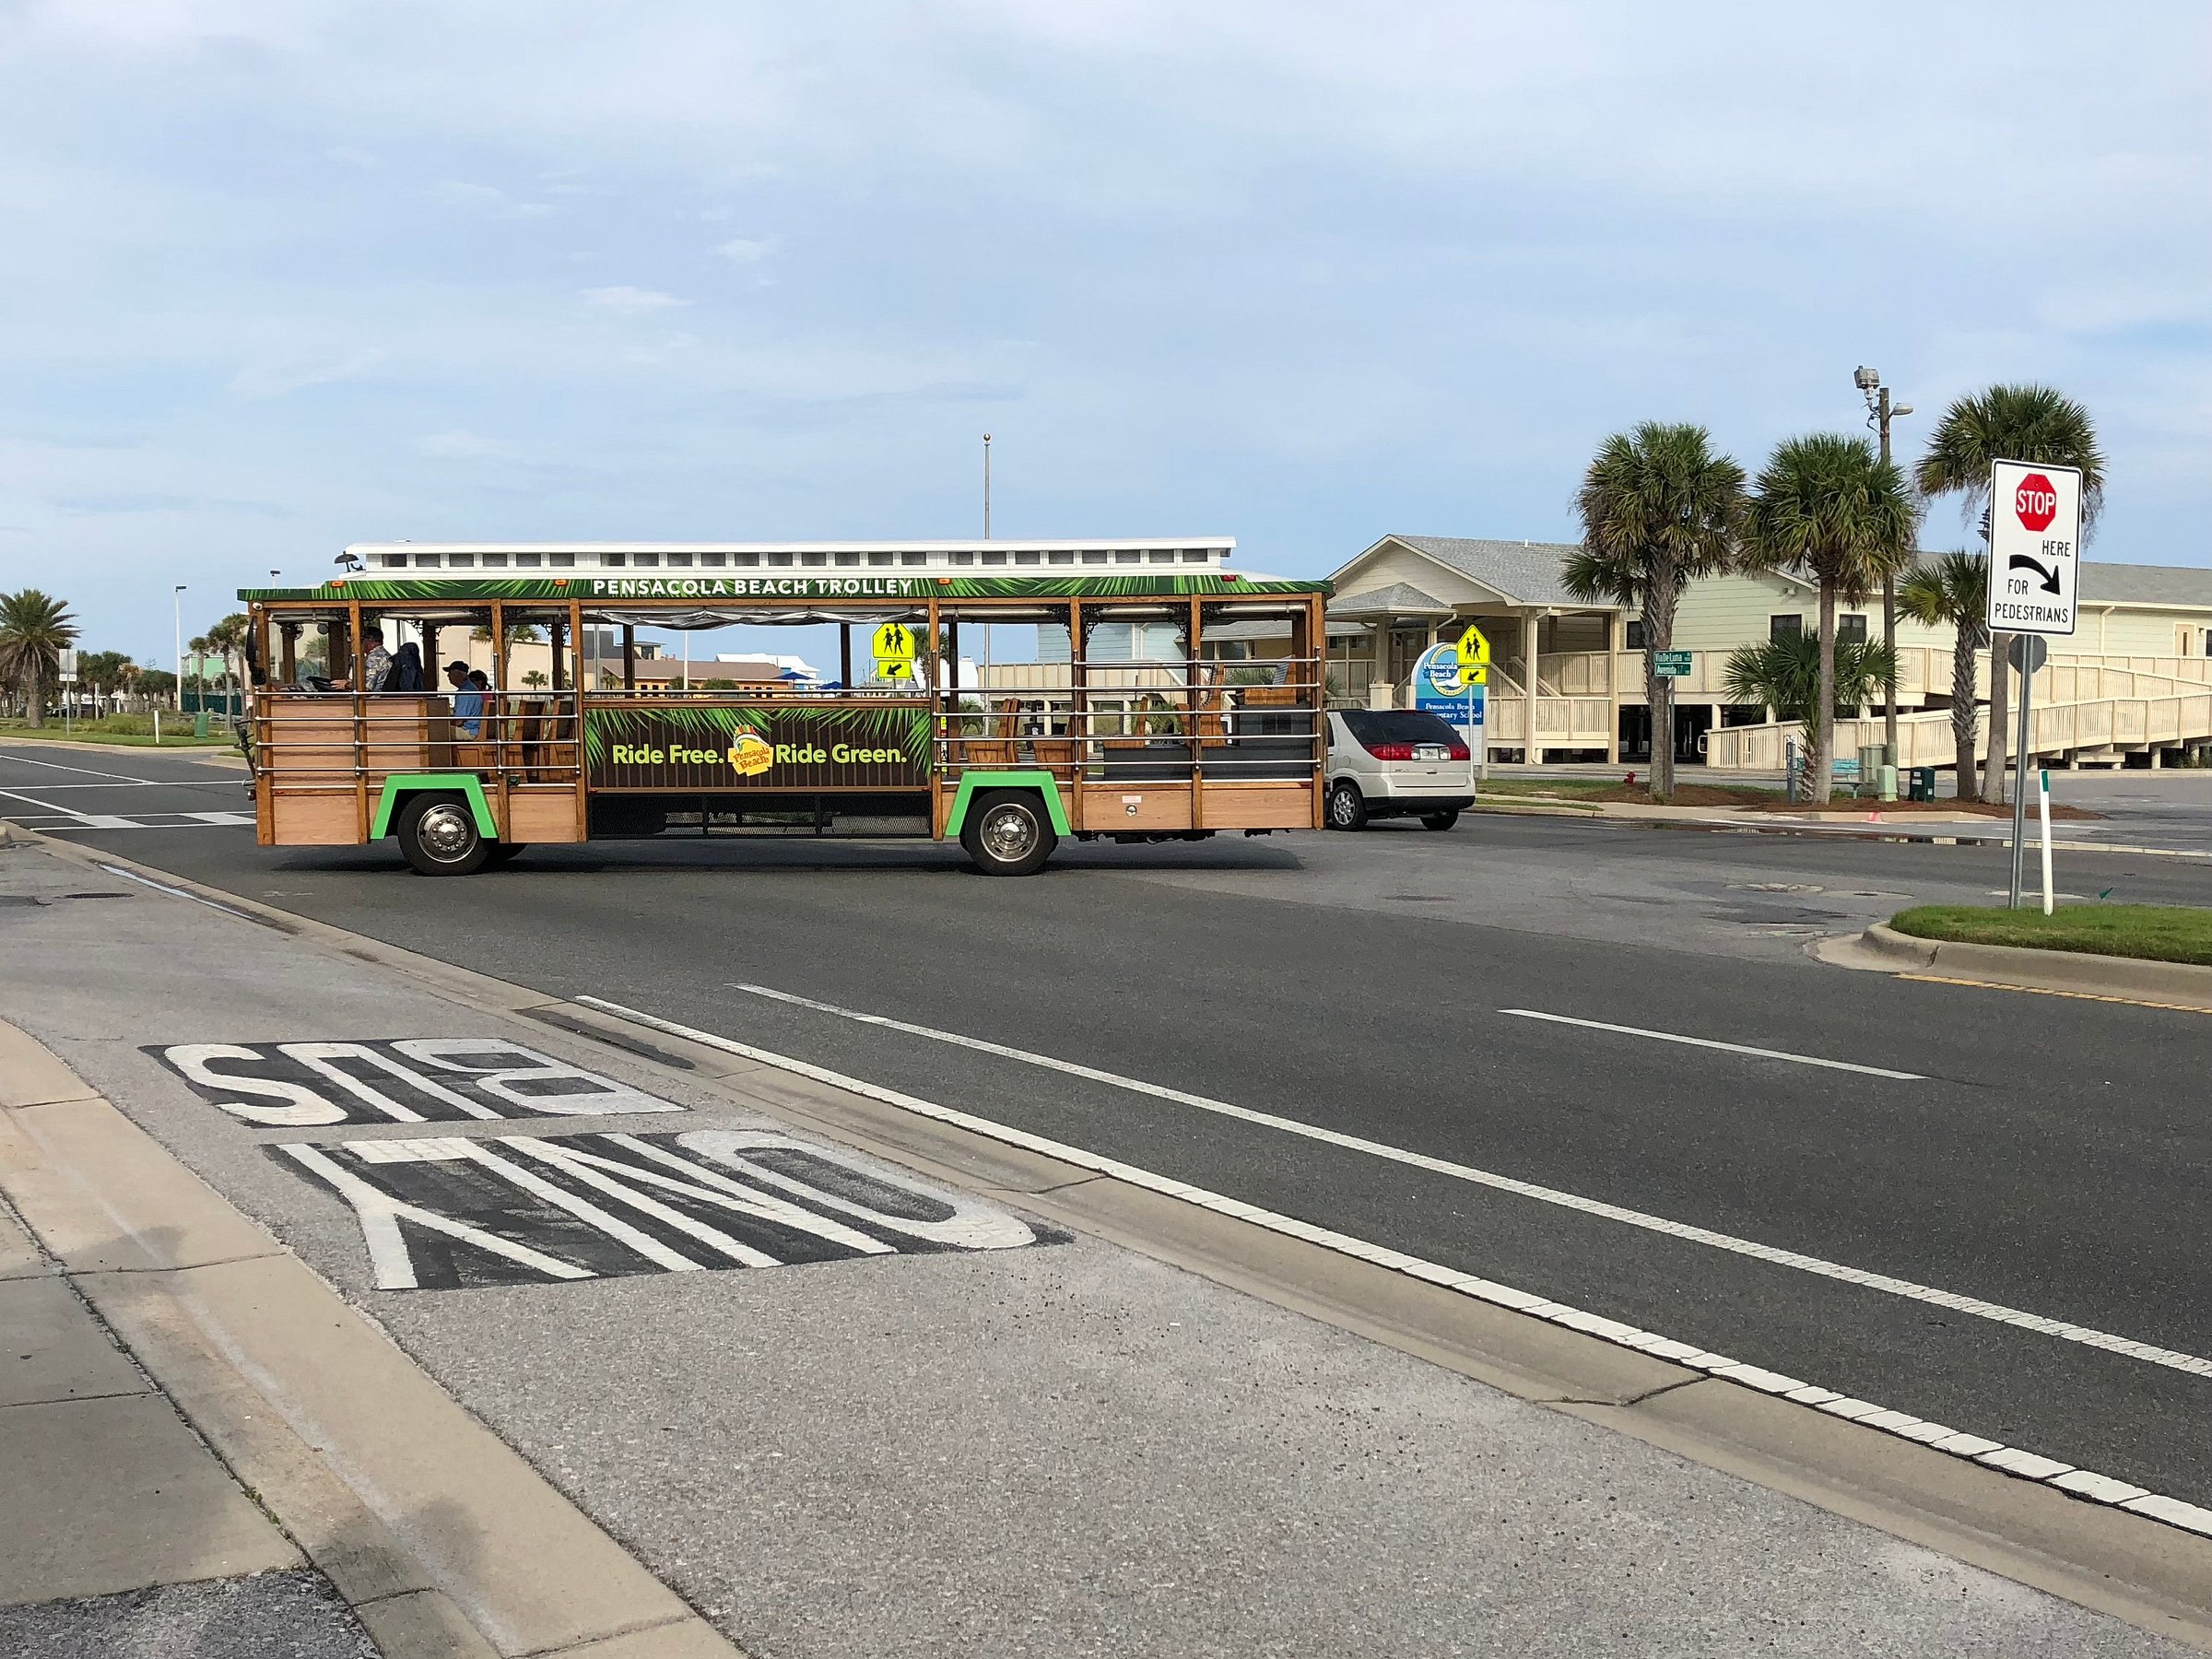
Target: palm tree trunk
{"type": "Point", "coordinates": [1659, 692]}
{"type": "Point", "coordinates": [2000, 700]}
{"type": "Point", "coordinates": [34, 702]}
{"type": "Point", "coordinates": [1824, 714]}
{"type": "Point", "coordinates": [1963, 713]}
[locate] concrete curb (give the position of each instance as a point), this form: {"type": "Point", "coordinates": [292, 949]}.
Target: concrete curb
{"type": "Point", "coordinates": [2155, 1575]}
{"type": "Point", "coordinates": [202, 750]}
{"type": "Point", "coordinates": [2130, 979]}
{"type": "Point", "coordinates": [443, 1540]}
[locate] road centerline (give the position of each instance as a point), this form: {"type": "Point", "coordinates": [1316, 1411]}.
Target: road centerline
{"type": "Point", "coordinates": [1996, 1312]}
{"type": "Point", "coordinates": [1726, 1048]}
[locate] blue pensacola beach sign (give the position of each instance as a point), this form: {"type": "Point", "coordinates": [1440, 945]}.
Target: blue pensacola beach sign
{"type": "Point", "coordinates": [1440, 688]}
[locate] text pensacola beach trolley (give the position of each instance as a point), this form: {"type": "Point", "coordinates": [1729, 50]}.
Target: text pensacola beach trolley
{"type": "Point", "coordinates": [1165, 704]}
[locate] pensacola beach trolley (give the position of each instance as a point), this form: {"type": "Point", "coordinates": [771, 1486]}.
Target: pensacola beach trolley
{"type": "Point", "coordinates": [1214, 725]}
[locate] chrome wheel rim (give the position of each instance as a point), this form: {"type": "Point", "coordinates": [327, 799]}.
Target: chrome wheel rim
{"type": "Point", "coordinates": [1009, 834]}
{"type": "Point", "coordinates": [446, 833]}
{"type": "Point", "coordinates": [1341, 807]}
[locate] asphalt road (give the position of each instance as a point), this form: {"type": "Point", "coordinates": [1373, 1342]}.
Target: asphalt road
{"type": "Point", "coordinates": [2046, 1154]}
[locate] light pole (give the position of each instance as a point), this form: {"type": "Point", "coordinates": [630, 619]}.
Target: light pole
{"type": "Point", "coordinates": [1880, 412]}
{"type": "Point", "coordinates": [177, 600]}
{"type": "Point", "coordinates": [986, 486]}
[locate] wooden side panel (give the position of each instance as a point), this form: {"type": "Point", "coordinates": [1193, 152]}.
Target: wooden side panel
{"type": "Point", "coordinates": [539, 813]}
{"type": "Point", "coordinates": [1259, 805]}
{"type": "Point", "coordinates": [326, 818]}
{"type": "Point", "coordinates": [1108, 807]}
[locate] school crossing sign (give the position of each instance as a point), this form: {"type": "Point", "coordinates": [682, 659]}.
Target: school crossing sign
{"type": "Point", "coordinates": [2035, 547]}
{"type": "Point", "coordinates": [895, 653]}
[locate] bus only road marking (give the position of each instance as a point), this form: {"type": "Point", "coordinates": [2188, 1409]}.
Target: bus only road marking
{"type": "Point", "coordinates": [1726, 1048]}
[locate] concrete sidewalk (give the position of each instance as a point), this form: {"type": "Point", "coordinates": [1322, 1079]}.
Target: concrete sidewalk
{"type": "Point", "coordinates": [127, 1538]}
{"type": "Point", "coordinates": [937, 1413]}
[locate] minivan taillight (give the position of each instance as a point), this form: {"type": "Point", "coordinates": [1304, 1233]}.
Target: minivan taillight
{"type": "Point", "coordinates": [1458, 751]}
{"type": "Point", "coordinates": [1389, 751]}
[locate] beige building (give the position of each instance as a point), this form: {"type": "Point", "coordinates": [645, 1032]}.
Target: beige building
{"type": "Point", "coordinates": [2135, 681]}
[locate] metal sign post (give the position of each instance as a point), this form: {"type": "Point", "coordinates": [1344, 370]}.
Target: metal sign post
{"type": "Point", "coordinates": [2034, 559]}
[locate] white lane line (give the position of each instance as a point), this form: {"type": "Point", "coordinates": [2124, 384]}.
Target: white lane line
{"type": "Point", "coordinates": [81, 821]}
{"type": "Point", "coordinates": [2027, 1465]}
{"type": "Point", "coordinates": [11, 754]}
{"type": "Point", "coordinates": [220, 817]}
{"type": "Point", "coordinates": [1726, 1048]}
{"type": "Point", "coordinates": [1951, 1300]}
{"type": "Point", "coordinates": [174, 892]}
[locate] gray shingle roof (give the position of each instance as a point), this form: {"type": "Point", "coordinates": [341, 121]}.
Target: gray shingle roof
{"type": "Point", "coordinates": [1525, 572]}
{"type": "Point", "coordinates": [2104, 584]}
{"type": "Point", "coordinates": [1399, 599]}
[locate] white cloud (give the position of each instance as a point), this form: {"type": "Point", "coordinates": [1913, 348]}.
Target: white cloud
{"type": "Point", "coordinates": [497, 203]}
{"type": "Point", "coordinates": [281, 377]}
{"type": "Point", "coordinates": [626, 301]}
{"type": "Point", "coordinates": [458, 445]}
{"type": "Point", "coordinates": [747, 249]}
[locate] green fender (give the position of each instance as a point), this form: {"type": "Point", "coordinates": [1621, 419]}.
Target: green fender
{"type": "Point", "coordinates": [976, 782]}
{"type": "Point", "coordinates": [406, 783]}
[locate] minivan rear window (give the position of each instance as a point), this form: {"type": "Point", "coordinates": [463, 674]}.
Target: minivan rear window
{"type": "Point", "coordinates": [1397, 725]}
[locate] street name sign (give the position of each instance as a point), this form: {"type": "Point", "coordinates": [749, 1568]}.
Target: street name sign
{"type": "Point", "coordinates": [1671, 664]}
{"type": "Point", "coordinates": [2034, 547]}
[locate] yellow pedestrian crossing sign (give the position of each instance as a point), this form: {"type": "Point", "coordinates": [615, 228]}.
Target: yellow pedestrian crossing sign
{"type": "Point", "coordinates": [895, 653]}
{"type": "Point", "coordinates": [1473, 649]}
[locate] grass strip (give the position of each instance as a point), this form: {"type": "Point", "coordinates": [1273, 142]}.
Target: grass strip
{"type": "Point", "coordinates": [2155, 933]}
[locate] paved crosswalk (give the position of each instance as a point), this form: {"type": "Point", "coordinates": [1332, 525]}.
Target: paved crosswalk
{"type": "Point", "coordinates": [120, 821]}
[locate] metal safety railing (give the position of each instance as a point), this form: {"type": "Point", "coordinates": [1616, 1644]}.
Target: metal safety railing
{"type": "Point", "coordinates": [319, 739]}
{"type": "Point", "coordinates": [1151, 722]}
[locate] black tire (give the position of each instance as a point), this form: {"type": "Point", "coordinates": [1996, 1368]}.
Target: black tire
{"type": "Point", "coordinates": [504, 852]}
{"type": "Point", "coordinates": [1348, 807]}
{"type": "Point", "coordinates": [439, 835]}
{"type": "Point", "coordinates": [1007, 832]}
{"type": "Point", "coordinates": [1440, 820]}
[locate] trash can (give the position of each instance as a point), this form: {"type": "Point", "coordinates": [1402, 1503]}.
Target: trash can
{"type": "Point", "coordinates": [1923, 784]}
{"type": "Point", "coordinates": [199, 724]}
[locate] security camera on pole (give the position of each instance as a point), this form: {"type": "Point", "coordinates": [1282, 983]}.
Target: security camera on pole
{"type": "Point", "coordinates": [2034, 556]}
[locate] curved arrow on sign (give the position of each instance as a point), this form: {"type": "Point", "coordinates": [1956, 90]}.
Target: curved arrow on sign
{"type": "Point", "coordinates": [2049, 576]}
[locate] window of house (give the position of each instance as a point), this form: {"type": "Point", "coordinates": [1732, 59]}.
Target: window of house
{"type": "Point", "coordinates": [1635, 634]}
{"type": "Point", "coordinates": [1850, 630]}
{"type": "Point", "coordinates": [1784, 628]}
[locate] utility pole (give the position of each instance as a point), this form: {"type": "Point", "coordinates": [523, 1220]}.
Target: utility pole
{"type": "Point", "coordinates": [177, 602]}
{"type": "Point", "coordinates": [1879, 413]}
{"type": "Point", "coordinates": [986, 486]}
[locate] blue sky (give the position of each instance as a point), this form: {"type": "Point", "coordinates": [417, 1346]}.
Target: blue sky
{"type": "Point", "coordinates": [282, 274]}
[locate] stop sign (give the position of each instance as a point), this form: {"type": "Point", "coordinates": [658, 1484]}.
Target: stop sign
{"type": "Point", "coordinates": [2036, 501]}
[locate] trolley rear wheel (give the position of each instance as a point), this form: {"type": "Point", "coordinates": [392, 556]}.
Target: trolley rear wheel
{"type": "Point", "coordinates": [1007, 832]}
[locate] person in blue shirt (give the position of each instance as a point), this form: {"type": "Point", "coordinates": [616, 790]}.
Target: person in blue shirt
{"type": "Point", "coordinates": [468, 702]}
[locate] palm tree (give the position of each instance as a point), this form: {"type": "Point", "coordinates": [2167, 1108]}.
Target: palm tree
{"type": "Point", "coordinates": [35, 629]}
{"type": "Point", "coordinates": [2008, 423]}
{"type": "Point", "coordinates": [227, 638]}
{"type": "Point", "coordinates": [534, 679]}
{"type": "Point", "coordinates": [1658, 507]}
{"type": "Point", "coordinates": [1783, 674]}
{"type": "Point", "coordinates": [1828, 507]}
{"type": "Point", "coordinates": [1954, 589]}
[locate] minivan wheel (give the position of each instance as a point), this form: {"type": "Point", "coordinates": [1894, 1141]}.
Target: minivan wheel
{"type": "Point", "coordinates": [439, 835]}
{"type": "Point", "coordinates": [1440, 820]}
{"type": "Point", "coordinates": [1007, 833]}
{"type": "Point", "coordinates": [1347, 808]}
